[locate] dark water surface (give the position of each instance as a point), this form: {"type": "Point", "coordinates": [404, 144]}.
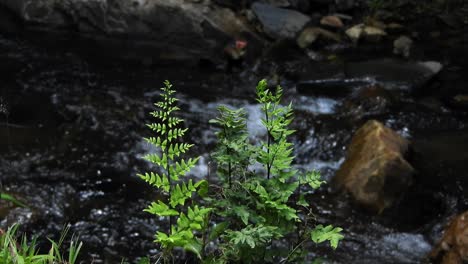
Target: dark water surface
{"type": "Point", "coordinates": [71, 144]}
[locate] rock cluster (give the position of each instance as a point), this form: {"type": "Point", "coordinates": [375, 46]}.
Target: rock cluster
{"type": "Point", "coordinates": [194, 30]}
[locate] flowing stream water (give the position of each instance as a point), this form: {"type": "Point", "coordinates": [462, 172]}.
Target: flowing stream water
{"type": "Point", "coordinates": [71, 144]}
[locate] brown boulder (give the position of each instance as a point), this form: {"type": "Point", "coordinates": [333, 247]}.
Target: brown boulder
{"type": "Point", "coordinates": [453, 247]}
{"type": "Point", "coordinates": [375, 171]}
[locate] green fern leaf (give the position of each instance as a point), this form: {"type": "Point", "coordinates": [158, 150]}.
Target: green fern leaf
{"type": "Point", "coordinates": [161, 209]}
{"type": "Point", "coordinates": [328, 233]}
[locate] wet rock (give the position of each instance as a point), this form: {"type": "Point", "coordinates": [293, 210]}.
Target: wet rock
{"type": "Point", "coordinates": [460, 101]}
{"type": "Point", "coordinates": [374, 33]}
{"type": "Point", "coordinates": [394, 28]}
{"type": "Point", "coordinates": [234, 4]}
{"type": "Point", "coordinates": [278, 22]}
{"type": "Point", "coordinates": [300, 5]}
{"type": "Point", "coordinates": [277, 3]}
{"type": "Point", "coordinates": [175, 29]}
{"type": "Point", "coordinates": [332, 87]}
{"type": "Point", "coordinates": [402, 46]}
{"type": "Point", "coordinates": [343, 16]}
{"type": "Point", "coordinates": [311, 34]}
{"type": "Point", "coordinates": [375, 23]}
{"type": "Point", "coordinates": [308, 36]}
{"type": "Point", "coordinates": [337, 80]}
{"type": "Point", "coordinates": [375, 171]}
{"type": "Point", "coordinates": [394, 73]}
{"type": "Point", "coordinates": [453, 247]}
{"type": "Point", "coordinates": [367, 101]}
{"type": "Point", "coordinates": [370, 33]}
{"type": "Point", "coordinates": [331, 21]}
{"type": "Point", "coordinates": [322, 2]}
{"type": "Point", "coordinates": [325, 79]}
{"type": "Point", "coordinates": [355, 32]}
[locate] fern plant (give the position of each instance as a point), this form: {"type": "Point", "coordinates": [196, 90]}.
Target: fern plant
{"type": "Point", "coordinates": [234, 151]}
{"type": "Point", "coordinates": [261, 208]}
{"type": "Point", "coordinates": [186, 222]}
{"type": "Point", "coordinates": [251, 209]}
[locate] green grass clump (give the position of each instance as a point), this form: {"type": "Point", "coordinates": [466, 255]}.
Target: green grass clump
{"type": "Point", "coordinates": [14, 250]}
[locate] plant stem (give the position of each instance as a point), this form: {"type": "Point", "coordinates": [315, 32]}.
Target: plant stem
{"type": "Point", "coordinates": [268, 142]}
{"type": "Point", "coordinates": [294, 250]}
{"type": "Point", "coordinates": [168, 161]}
{"type": "Point", "coordinates": [204, 235]}
{"type": "Point", "coordinates": [229, 174]}
{"type": "Point", "coordinates": [229, 154]}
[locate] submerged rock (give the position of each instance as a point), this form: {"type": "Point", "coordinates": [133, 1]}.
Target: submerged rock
{"type": "Point", "coordinates": [278, 22]}
{"type": "Point", "coordinates": [460, 101]}
{"type": "Point", "coordinates": [367, 101]}
{"type": "Point", "coordinates": [394, 73]}
{"type": "Point", "coordinates": [402, 46]}
{"type": "Point", "coordinates": [341, 80]}
{"type": "Point", "coordinates": [375, 171]}
{"type": "Point", "coordinates": [168, 29]}
{"type": "Point", "coordinates": [453, 247]}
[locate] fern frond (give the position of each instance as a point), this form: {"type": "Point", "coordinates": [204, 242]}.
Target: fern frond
{"type": "Point", "coordinates": [160, 160]}
{"type": "Point", "coordinates": [182, 168]}
{"type": "Point", "coordinates": [154, 179]}
{"type": "Point", "coordinates": [157, 127]}
{"type": "Point", "coordinates": [174, 121]}
{"type": "Point", "coordinates": [167, 139]}
{"type": "Point", "coordinates": [159, 208]}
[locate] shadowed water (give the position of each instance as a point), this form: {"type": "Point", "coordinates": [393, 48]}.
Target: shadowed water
{"type": "Point", "coordinates": [71, 145]}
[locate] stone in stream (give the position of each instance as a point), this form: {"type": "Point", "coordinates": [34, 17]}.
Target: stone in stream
{"type": "Point", "coordinates": [370, 33]}
{"type": "Point", "coordinates": [394, 73]}
{"type": "Point", "coordinates": [277, 3]}
{"type": "Point", "coordinates": [367, 101]}
{"type": "Point", "coordinates": [388, 73]}
{"type": "Point", "coordinates": [331, 21]}
{"type": "Point", "coordinates": [453, 247]}
{"type": "Point", "coordinates": [460, 101]}
{"type": "Point", "coordinates": [166, 29]}
{"type": "Point", "coordinates": [310, 34]}
{"type": "Point", "coordinates": [375, 171]}
{"type": "Point", "coordinates": [355, 32]}
{"type": "Point", "coordinates": [324, 79]}
{"type": "Point", "coordinates": [301, 5]}
{"type": "Point", "coordinates": [402, 46]}
{"type": "Point", "coordinates": [279, 22]}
